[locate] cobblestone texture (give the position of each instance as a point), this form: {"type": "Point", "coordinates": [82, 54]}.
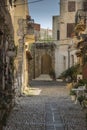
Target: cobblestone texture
{"type": "Point", "coordinates": [51, 110]}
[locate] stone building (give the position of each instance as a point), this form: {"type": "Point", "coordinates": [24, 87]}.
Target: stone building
{"type": "Point", "coordinates": [22, 30]}
{"type": "Point", "coordinates": [63, 28]}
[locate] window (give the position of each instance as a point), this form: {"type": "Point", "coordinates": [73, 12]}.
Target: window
{"type": "Point", "coordinates": [85, 6]}
{"type": "Point", "coordinates": [70, 27]}
{"type": "Point", "coordinates": [58, 35]}
{"type": "Point", "coordinates": [71, 6]}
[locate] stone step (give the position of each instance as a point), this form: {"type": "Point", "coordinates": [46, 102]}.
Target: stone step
{"type": "Point", "coordinates": [44, 77]}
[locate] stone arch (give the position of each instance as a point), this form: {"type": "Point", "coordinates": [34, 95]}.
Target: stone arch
{"type": "Point", "coordinates": [46, 64]}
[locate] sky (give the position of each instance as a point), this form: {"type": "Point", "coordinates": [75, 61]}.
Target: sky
{"type": "Point", "coordinates": [43, 11]}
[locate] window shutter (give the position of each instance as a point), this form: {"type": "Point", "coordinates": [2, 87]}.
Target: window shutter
{"type": "Point", "coordinates": [85, 6]}
{"type": "Point", "coordinates": [71, 6]}
{"type": "Point", "coordinates": [70, 27]}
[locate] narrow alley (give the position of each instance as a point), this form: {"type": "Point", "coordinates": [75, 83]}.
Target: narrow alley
{"type": "Point", "coordinates": [48, 107]}
{"type": "Point", "coordinates": [41, 48]}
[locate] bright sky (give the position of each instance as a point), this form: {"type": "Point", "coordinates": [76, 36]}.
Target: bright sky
{"type": "Point", "coordinates": [43, 11]}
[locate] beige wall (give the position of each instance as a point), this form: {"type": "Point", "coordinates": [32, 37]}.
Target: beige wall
{"type": "Point", "coordinates": [55, 27]}
{"type": "Point", "coordinates": [20, 11]}
{"type": "Point", "coordinates": [60, 23]}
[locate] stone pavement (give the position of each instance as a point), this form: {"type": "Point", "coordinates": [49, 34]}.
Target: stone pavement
{"type": "Point", "coordinates": [50, 109]}
{"type": "Point", "coordinates": [44, 77]}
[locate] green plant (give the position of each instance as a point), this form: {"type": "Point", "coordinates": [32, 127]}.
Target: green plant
{"type": "Point", "coordinates": [81, 99]}
{"type": "Point", "coordinates": [85, 102]}
{"type": "Point", "coordinates": [71, 72]}
{"type": "Point", "coordinates": [82, 82]}
{"type": "Point", "coordinates": [72, 92]}
{"type": "Point", "coordinates": [85, 81]}
{"type": "Point", "coordinates": [52, 73]}
{"type": "Point", "coordinates": [79, 83]}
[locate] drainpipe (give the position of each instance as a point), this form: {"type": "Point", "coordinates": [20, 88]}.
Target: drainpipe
{"type": "Point", "coordinates": [34, 59]}
{"type": "Point", "coordinates": [68, 57]}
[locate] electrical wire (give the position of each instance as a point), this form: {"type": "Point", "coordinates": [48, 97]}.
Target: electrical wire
{"type": "Point", "coordinates": [22, 3]}
{"type": "Point", "coordinates": [35, 1]}
{"type": "Point", "coordinates": [31, 3]}
{"type": "Point", "coordinates": [28, 2]}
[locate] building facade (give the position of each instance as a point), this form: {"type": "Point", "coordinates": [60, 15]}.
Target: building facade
{"type": "Point", "coordinates": [63, 28]}
{"type": "Point", "coordinates": [21, 29]}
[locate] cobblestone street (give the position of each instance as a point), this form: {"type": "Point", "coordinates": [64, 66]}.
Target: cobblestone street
{"type": "Point", "coordinates": [49, 107]}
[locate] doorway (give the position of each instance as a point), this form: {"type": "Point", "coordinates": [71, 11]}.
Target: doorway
{"type": "Point", "coordinates": [46, 64]}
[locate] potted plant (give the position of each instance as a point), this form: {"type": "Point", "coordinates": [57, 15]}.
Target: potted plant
{"type": "Point", "coordinates": [71, 73]}
{"type": "Point", "coordinates": [52, 74]}
{"type": "Point", "coordinates": [85, 103]}
{"type": "Point", "coordinates": [73, 95]}
{"type": "Point", "coordinates": [81, 98]}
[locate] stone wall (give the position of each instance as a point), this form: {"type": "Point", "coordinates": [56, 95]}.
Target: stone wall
{"type": "Point", "coordinates": [6, 61]}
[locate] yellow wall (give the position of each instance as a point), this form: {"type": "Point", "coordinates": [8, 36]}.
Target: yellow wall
{"type": "Point", "coordinates": [29, 39]}
{"type": "Point", "coordinates": [20, 12]}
